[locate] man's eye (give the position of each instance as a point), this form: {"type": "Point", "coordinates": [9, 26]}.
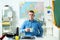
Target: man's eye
{"type": "Point", "coordinates": [31, 14]}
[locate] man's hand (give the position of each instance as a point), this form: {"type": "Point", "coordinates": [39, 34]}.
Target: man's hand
{"type": "Point", "coordinates": [27, 29]}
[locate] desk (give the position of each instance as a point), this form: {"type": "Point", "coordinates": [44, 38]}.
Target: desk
{"type": "Point", "coordinates": [38, 38]}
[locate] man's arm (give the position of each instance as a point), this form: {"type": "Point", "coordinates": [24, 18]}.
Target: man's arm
{"type": "Point", "coordinates": [40, 30]}
{"type": "Point", "coordinates": [22, 29]}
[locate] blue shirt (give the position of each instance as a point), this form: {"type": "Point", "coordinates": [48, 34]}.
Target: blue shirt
{"type": "Point", "coordinates": [36, 28]}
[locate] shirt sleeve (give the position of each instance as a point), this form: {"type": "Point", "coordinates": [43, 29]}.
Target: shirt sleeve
{"type": "Point", "coordinates": [40, 30]}
{"type": "Point", "coordinates": [22, 29]}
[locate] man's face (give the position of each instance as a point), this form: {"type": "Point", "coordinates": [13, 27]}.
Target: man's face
{"type": "Point", "coordinates": [31, 15]}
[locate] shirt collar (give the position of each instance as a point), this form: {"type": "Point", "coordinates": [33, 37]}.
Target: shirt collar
{"type": "Point", "coordinates": [31, 20]}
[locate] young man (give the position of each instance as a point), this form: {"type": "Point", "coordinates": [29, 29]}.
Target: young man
{"type": "Point", "coordinates": [32, 27]}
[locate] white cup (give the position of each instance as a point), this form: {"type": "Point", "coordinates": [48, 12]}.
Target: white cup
{"type": "Point", "coordinates": [31, 29]}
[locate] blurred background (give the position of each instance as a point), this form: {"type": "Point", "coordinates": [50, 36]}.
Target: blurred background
{"type": "Point", "coordinates": [14, 12]}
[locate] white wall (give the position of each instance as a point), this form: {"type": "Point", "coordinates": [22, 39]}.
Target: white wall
{"type": "Point", "coordinates": [56, 32]}
{"type": "Point", "coordinates": [0, 22]}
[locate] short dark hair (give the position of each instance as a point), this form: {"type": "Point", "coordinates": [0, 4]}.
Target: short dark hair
{"type": "Point", "coordinates": [31, 11]}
